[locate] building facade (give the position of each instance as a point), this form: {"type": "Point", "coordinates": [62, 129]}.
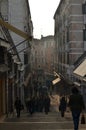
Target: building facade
{"type": "Point", "coordinates": [70, 19]}
{"type": "Point", "coordinates": [42, 53]}
{"type": "Point", "coordinates": [16, 13]}
{"type": "Point", "coordinates": [42, 60]}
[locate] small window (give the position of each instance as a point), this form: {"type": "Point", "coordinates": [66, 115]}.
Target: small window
{"type": "Point", "coordinates": [84, 35]}
{"type": "Point", "coordinates": [84, 8]}
{"type": "Point", "coordinates": [2, 56]}
{"type": "Point", "coordinates": [25, 58]}
{"type": "Point", "coordinates": [67, 35]}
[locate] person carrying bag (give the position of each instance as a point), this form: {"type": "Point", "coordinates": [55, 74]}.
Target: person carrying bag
{"type": "Point", "coordinates": [76, 105]}
{"type": "Point", "coordinates": [82, 118]}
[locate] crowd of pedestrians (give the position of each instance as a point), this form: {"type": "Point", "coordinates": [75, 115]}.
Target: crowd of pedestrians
{"type": "Point", "coordinates": [38, 104]}
{"type": "Point", "coordinates": [42, 104]}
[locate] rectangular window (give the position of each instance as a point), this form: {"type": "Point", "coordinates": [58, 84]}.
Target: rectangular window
{"type": "Point", "coordinates": [25, 58]}
{"type": "Point", "coordinates": [84, 8]}
{"type": "Point", "coordinates": [67, 36]}
{"type": "Point", "coordinates": [84, 35]}
{"type": "Point", "coordinates": [2, 56]}
{"type": "Point", "coordinates": [67, 58]}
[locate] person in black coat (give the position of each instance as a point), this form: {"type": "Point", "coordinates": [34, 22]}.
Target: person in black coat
{"type": "Point", "coordinates": [76, 104]}
{"type": "Point", "coordinates": [62, 106]}
{"type": "Point", "coordinates": [18, 106]}
{"type": "Point", "coordinates": [47, 104]}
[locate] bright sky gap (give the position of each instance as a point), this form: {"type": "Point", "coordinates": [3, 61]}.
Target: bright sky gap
{"type": "Point", "coordinates": [42, 13]}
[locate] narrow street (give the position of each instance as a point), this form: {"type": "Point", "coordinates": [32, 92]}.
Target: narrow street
{"type": "Point", "coordinates": [40, 121]}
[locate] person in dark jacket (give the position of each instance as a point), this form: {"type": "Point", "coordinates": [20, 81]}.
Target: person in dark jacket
{"type": "Point", "coordinates": [31, 105]}
{"type": "Point", "coordinates": [76, 104]}
{"type": "Point", "coordinates": [62, 106]}
{"type": "Point", "coordinates": [47, 104]}
{"type": "Point", "coordinates": [18, 106]}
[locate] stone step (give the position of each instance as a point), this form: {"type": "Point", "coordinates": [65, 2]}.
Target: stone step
{"type": "Point", "coordinates": [39, 126]}
{"type": "Point", "coordinates": [40, 121]}
{"type": "Point", "coordinates": [39, 117]}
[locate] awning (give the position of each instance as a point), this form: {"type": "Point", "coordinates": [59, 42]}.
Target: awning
{"type": "Point", "coordinates": [76, 83]}
{"type": "Point", "coordinates": [4, 44]}
{"type": "Point", "coordinates": [56, 74]}
{"type": "Point", "coordinates": [84, 79]}
{"type": "Point", "coordinates": [56, 81]}
{"type": "Point", "coordinates": [81, 69]}
{"type": "Point", "coordinates": [16, 60]}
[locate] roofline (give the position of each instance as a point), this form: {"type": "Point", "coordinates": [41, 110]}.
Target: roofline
{"type": "Point", "coordinates": [57, 10]}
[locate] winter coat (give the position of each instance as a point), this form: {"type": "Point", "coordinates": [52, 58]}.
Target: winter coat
{"type": "Point", "coordinates": [63, 104]}
{"type": "Point", "coordinates": [18, 104]}
{"type": "Point", "coordinates": [76, 102]}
